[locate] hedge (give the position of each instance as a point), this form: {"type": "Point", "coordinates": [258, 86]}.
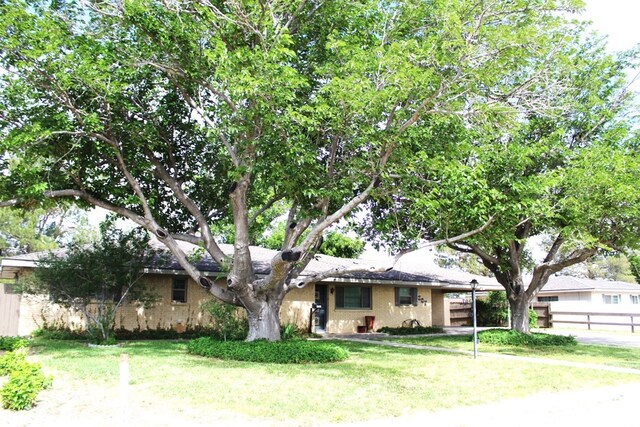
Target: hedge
{"type": "Point", "coordinates": [291, 351]}
{"type": "Point", "coordinates": [515, 338]}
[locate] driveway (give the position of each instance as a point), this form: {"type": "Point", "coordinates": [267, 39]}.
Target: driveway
{"type": "Point", "coordinates": [620, 339]}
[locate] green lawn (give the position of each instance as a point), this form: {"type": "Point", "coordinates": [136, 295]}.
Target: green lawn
{"type": "Point", "coordinates": [598, 354]}
{"type": "Point", "coordinates": [375, 382]}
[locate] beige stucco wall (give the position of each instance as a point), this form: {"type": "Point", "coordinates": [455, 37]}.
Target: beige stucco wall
{"type": "Point", "coordinates": [35, 311]}
{"type": "Point", "coordinates": [166, 314]}
{"type": "Point", "coordinates": [383, 308]}
{"type": "Point", "coordinates": [296, 307]}
{"type": "Point", "coordinates": [440, 308]}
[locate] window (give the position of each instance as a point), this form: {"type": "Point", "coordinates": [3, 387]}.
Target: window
{"type": "Point", "coordinates": [548, 299]}
{"type": "Point", "coordinates": [635, 299]}
{"type": "Point", "coordinates": [406, 296]}
{"type": "Point", "coordinates": [179, 290]}
{"type": "Point", "coordinates": [611, 299]}
{"type": "Point", "coordinates": [353, 297]}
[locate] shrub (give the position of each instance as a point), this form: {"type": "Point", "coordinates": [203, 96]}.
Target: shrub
{"type": "Point", "coordinates": [11, 361]}
{"type": "Point", "coordinates": [128, 335]}
{"type": "Point", "coordinates": [533, 319]}
{"type": "Point", "coordinates": [418, 330]}
{"type": "Point", "coordinates": [59, 333]}
{"type": "Point", "coordinates": [12, 343]}
{"type": "Point", "coordinates": [225, 320]}
{"type": "Point", "coordinates": [293, 351]}
{"type": "Point", "coordinates": [26, 380]}
{"type": "Point", "coordinates": [515, 338]}
{"type": "Point", "coordinates": [493, 310]}
{"type": "Point", "coordinates": [290, 331]}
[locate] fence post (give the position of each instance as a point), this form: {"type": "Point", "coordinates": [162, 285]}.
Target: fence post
{"type": "Point", "coordinates": [589, 321]}
{"type": "Point", "coordinates": [633, 328]}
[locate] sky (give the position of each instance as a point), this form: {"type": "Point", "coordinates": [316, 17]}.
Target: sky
{"type": "Point", "coordinates": [616, 18]}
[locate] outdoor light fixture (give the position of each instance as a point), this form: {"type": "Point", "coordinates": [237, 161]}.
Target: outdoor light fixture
{"type": "Point", "coordinates": [474, 285]}
{"type": "Point", "coordinates": [331, 290]}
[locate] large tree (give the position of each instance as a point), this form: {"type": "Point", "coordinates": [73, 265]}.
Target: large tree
{"type": "Point", "coordinates": [570, 179]}
{"type": "Point", "coordinates": [186, 114]}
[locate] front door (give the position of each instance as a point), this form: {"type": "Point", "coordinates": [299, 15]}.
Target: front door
{"type": "Point", "coordinates": [320, 320]}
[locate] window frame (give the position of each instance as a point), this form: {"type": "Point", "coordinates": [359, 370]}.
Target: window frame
{"type": "Point", "coordinates": [551, 298]}
{"type": "Point", "coordinates": [174, 282]}
{"type": "Point", "coordinates": [413, 296]}
{"type": "Point", "coordinates": [611, 299]}
{"type": "Point", "coordinates": [635, 299]}
{"type": "Point", "coordinates": [339, 301]}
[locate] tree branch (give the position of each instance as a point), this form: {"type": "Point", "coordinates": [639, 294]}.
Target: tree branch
{"type": "Point", "coordinates": [207, 238]}
{"type": "Point", "coordinates": [264, 208]}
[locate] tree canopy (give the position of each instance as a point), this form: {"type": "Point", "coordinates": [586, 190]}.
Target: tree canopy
{"type": "Point", "coordinates": [572, 176]}
{"type": "Point", "coordinates": [188, 116]}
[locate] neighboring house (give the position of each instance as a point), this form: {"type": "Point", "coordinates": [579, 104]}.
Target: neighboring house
{"type": "Point", "coordinates": [409, 291]}
{"type": "Point", "coordinates": [569, 289]}
{"type": "Point", "coordinates": [576, 302]}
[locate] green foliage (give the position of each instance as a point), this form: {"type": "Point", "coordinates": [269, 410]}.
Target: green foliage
{"type": "Point", "coordinates": [610, 267]}
{"type": "Point", "coordinates": [290, 331]}
{"type": "Point", "coordinates": [292, 351]}
{"type": "Point", "coordinates": [493, 311]}
{"type": "Point", "coordinates": [334, 243]}
{"type": "Point", "coordinates": [64, 333]}
{"type": "Point", "coordinates": [418, 330]}
{"type": "Point", "coordinates": [22, 388]}
{"type": "Point", "coordinates": [13, 343]}
{"type": "Point", "coordinates": [59, 333]}
{"type": "Point", "coordinates": [25, 381]}
{"type": "Point", "coordinates": [158, 111]}
{"type": "Point", "coordinates": [39, 229]}
{"type": "Point", "coordinates": [97, 279]}
{"type": "Point", "coordinates": [341, 246]}
{"type": "Point", "coordinates": [11, 361]}
{"type": "Point", "coordinates": [515, 338]}
{"type": "Point", "coordinates": [634, 261]}
{"type": "Point", "coordinates": [226, 323]}
{"type": "Point", "coordinates": [533, 318]}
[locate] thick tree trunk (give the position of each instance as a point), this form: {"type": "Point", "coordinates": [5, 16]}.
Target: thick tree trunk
{"type": "Point", "coordinates": [264, 322]}
{"type": "Point", "coordinates": [519, 305]}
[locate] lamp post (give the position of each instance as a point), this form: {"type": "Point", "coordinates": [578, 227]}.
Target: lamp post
{"type": "Point", "coordinates": [474, 285]}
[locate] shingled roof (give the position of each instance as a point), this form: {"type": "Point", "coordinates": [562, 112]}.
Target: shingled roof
{"type": "Point", "coordinates": [574, 284]}
{"type": "Point", "coordinates": [422, 273]}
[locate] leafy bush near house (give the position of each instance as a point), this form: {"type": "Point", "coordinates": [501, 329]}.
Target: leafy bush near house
{"type": "Point", "coordinates": [11, 360]}
{"type": "Point", "coordinates": [290, 331]}
{"type": "Point", "coordinates": [26, 380]}
{"type": "Point", "coordinates": [62, 333]}
{"type": "Point", "coordinates": [12, 343]}
{"type": "Point", "coordinates": [283, 352]}
{"type": "Point", "coordinates": [493, 310]}
{"type": "Point", "coordinates": [59, 333]}
{"type": "Point", "coordinates": [418, 330]}
{"type": "Point", "coordinates": [533, 318]}
{"type": "Point", "coordinates": [225, 320]}
{"type": "Point", "coordinates": [515, 338]}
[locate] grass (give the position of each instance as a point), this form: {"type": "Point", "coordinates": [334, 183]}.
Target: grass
{"type": "Point", "coordinates": [596, 354]}
{"type": "Point", "coordinates": [374, 382]}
